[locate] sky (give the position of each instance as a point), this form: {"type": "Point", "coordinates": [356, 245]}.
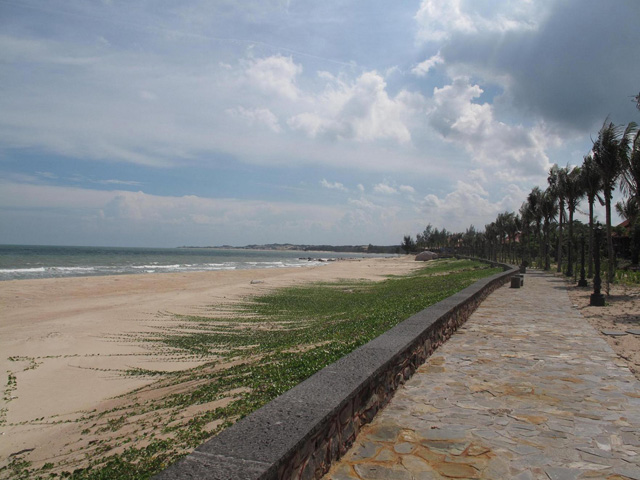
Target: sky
{"type": "Point", "coordinates": [161, 123]}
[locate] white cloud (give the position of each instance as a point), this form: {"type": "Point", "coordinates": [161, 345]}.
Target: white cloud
{"type": "Point", "coordinates": [360, 110]}
{"type": "Point", "coordinates": [541, 55]}
{"type": "Point", "coordinates": [333, 186]}
{"type": "Point", "coordinates": [385, 189]}
{"type": "Point", "coordinates": [423, 68]}
{"type": "Point", "coordinates": [188, 119]}
{"type": "Point", "coordinates": [260, 116]}
{"type": "Point", "coordinates": [369, 217]}
{"type": "Point", "coordinates": [363, 203]}
{"type": "Point", "coordinates": [477, 175]}
{"type": "Point", "coordinates": [509, 151]}
{"type": "Point", "coordinates": [275, 74]}
{"type": "Point", "coordinates": [438, 19]}
{"type": "Point", "coordinates": [310, 123]}
{"type": "Point", "coordinates": [469, 204]}
{"type": "Point", "coordinates": [181, 94]}
{"type": "Point", "coordinates": [132, 183]}
{"type": "Point", "coordinates": [121, 217]}
{"type": "Point", "coordinates": [131, 218]}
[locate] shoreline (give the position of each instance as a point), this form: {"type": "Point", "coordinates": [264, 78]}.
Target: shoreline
{"type": "Point", "coordinates": [65, 342]}
{"type": "Point", "coordinates": [25, 263]}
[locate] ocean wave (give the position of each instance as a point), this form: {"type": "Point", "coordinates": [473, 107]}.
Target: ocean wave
{"type": "Point", "coordinates": [23, 270]}
{"type": "Point", "coordinates": [72, 269]}
{"type": "Point", "coordinates": [142, 267]}
{"type": "Point", "coordinates": [148, 268]}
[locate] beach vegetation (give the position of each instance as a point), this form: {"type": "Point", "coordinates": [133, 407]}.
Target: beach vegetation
{"type": "Point", "coordinates": [247, 356]}
{"type": "Point", "coordinates": [628, 277]}
{"type": "Point", "coordinates": [12, 384]}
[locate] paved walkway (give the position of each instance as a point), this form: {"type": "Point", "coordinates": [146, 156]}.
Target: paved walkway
{"type": "Point", "coordinates": [527, 389]}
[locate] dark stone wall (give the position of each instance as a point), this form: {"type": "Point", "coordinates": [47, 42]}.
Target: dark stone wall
{"type": "Point", "coordinates": [299, 434]}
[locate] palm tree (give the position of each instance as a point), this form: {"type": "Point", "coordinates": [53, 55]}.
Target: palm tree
{"type": "Point", "coordinates": [628, 210]}
{"type": "Point", "coordinates": [408, 245]}
{"type": "Point", "coordinates": [507, 230]}
{"type": "Point", "coordinates": [515, 228]}
{"type": "Point", "coordinates": [630, 180]}
{"type": "Point", "coordinates": [491, 234]}
{"type": "Point", "coordinates": [526, 217]}
{"type": "Point", "coordinates": [534, 199]}
{"type": "Point", "coordinates": [548, 208]}
{"type": "Point", "coordinates": [611, 153]}
{"type": "Point", "coordinates": [481, 244]}
{"type": "Point", "coordinates": [592, 185]}
{"type": "Point", "coordinates": [502, 222]}
{"type": "Point", "coordinates": [557, 181]}
{"type": "Point", "coordinates": [574, 192]}
{"type": "Point", "coordinates": [469, 240]}
{"type": "Point", "coordinates": [631, 186]}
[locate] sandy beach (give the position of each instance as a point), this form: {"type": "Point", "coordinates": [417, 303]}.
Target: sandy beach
{"type": "Point", "coordinates": [620, 314]}
{"type": "Point", "coordinates": [66, 342]}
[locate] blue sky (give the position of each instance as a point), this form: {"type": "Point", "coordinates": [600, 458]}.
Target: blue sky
{"type": "Point", "coordinates": [223, 122]}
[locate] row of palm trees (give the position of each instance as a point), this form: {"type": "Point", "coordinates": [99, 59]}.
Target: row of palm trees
{"type": "Point", "coordinates": [613, 160]}
{"type": "Point", "coordinates": [527, 236]}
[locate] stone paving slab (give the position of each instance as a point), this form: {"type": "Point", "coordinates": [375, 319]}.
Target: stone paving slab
{"type": "Point", "coordinates": [614, 333]}
{"type": "Point", "coordinates": [525, 390]}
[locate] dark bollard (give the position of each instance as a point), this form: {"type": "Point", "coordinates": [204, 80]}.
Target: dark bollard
{"type": "Point", "coordinates": [517, 281]}
{"type": "Point", "coordinates": [583, 281]}
{"type": "Point", "coordinates": [597, 299]}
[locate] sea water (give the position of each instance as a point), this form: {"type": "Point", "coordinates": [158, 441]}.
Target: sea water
{"type": "Point", "coordinates": [31, 261]}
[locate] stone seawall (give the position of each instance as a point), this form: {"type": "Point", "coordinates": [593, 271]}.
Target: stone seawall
{"type": "Point", "coordinates": [299, 434]}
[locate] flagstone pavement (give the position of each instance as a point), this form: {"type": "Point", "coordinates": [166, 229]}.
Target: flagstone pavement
{"type": "Point", "coordinates": [526, 389]}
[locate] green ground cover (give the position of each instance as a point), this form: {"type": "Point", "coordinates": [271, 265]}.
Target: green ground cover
{"type": "Point", "coordinates": [267, 345]}
{"type": "Point", "coordinates": [628, 277]}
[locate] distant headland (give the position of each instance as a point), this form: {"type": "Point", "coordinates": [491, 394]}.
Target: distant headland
{"type": "Point", "coordinates": [312, 248]}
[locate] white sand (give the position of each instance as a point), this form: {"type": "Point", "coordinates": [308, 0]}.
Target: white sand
{"type": "Point", "coordinates": [60, 333]}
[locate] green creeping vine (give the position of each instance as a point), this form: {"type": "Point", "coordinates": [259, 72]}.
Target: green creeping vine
{"type": "Point", "coordinates": [273, 343]}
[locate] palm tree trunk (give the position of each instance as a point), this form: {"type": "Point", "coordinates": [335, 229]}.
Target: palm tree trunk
{"type": "Point", "coordinates": [560, 219]}
{"type": "Point", "coordinates": [591, 200]}
{"type": "Point", "coordinates": [570, 246]}
{"type": "Point", "coordinates": [540, 246]}
{"type": "Point", "coordinates": [611, 269]}
{"type": "Point", "coordinates": [547, 260]}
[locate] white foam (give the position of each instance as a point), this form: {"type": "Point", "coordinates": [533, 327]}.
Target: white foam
{"type": "Point", "coordinates": [23, 270]}
{"type": "Point", "coordinates": [73, 269]}
{"type": "Point", "coordinates": [144, 267]}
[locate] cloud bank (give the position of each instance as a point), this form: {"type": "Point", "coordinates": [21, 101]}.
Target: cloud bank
{"type": "Point", "coordinates": [289, 121]}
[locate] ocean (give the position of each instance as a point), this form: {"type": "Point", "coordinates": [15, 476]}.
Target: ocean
{"type": "Point", "coordinates": [31, 261]}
